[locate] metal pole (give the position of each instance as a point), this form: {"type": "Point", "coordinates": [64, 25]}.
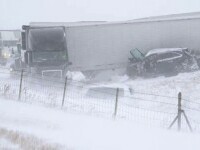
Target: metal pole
{"type": "Point", "coordinates": [116, 103]}
{"type": "Point", "coordinates": [173, 122]}
{"type": "Point", "coordinates": [20, 86]}
{"type": "Point", "coordinates": [65, 86]}
{"type": "Point", "coordinates": [187, 121]}
{"type": "Point", "coordinates": [179, 110]}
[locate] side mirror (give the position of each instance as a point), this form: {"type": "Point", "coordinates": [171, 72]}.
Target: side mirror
{"type": "Point", "coordinates": [23, 34]}
{"type": "Point", "coordinates": [19, 48]}
{"type": "Point", "coordinates": [26, 57]}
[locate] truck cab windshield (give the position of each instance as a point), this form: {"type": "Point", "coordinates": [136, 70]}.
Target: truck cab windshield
{"type": "Point", "coordinates": [47, 39]}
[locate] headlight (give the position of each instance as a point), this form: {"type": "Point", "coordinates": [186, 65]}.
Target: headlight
{"type": "Point", "coordinates": [6, 55]}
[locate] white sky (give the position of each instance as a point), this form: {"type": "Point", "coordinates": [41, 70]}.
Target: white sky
{"type": "Point", "coordinates": [15, 13]}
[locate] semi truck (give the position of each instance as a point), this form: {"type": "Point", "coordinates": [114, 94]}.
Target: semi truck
{"type": "Point", "coordinates": [95, 47]}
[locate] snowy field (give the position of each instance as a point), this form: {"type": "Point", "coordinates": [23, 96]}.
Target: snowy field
{"type": "Point", "coordinates": [153, 103]}
{"type": "Point", "coordinates": [40, 117]}
{"type": "Point", "coordinates": [56, 129]}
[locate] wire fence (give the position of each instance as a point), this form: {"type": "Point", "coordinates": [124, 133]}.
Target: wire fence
{"type": "Point", "coordinates": [143, 108]}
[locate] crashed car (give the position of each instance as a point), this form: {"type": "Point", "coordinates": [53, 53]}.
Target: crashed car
{"type": "Point", "coordinates": [107, 91]}
{"type": "Point", "coordinates": [164, 61]}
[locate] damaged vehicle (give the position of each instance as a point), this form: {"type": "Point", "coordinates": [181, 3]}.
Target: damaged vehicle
{"type": "Point", "coordinates": [164, 61]}
{"type": "Point", "coordinates": [107, 91]}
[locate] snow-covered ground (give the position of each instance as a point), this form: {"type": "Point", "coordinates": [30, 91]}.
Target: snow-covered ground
{"type": "Point", "coordinates": [5, 144]}
{"type": "Point", "coordinates": [79, 123]}
{"type": "Point", "coordinates": [63, 130]}
{"type": "Point", "coordinates": [153, 103]}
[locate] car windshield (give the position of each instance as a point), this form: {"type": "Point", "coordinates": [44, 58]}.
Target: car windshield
{"type": "Point", "coordinates": [47, 39]}
{"type": "Point", "coordinates": [104, 92]}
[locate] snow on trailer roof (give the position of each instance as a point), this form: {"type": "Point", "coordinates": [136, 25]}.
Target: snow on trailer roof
{"type": "Point", "coordinates": [183, 16]}
{"type": "Point", "coordinates": [164, 50]}
{"type": "Point", "coordinates": [170, 17]}
{"type": "Point", "coordinates": [66, 24]}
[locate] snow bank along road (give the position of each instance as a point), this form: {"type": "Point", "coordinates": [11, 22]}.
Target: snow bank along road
{"type": "Point", "coordinates": [62, 130]}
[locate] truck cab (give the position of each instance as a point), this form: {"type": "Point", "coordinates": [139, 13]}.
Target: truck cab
{"type": "Point", "coordinates": [45, 50]}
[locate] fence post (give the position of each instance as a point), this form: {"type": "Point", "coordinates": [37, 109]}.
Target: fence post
{"type": "Point", "coordinates": [178, 117]}
{"type": "Point", "coordinates": [20, 86]}
{"type": "Point", "coordinates": [116, 102]}
{"type": "Point", "coordinates": [179, 110]}
{"type": "Point", "coordinates": [65, 86]}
